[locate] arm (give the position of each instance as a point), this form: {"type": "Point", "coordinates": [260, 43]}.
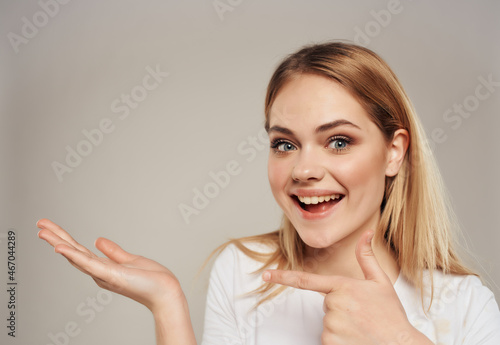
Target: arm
{"type": "Point", "coordinates": [174, 327]}
{"type": "Point", "coordinates": [133, 276]}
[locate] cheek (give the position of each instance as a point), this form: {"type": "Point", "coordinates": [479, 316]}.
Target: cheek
{"type": "Point", "coordinates": [279, 174]}
{"type": "Point", "coordinates": [365, 173]}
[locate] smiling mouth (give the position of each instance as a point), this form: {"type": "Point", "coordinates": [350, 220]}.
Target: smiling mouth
{"type": "Point", "coordinates": [318, 204]}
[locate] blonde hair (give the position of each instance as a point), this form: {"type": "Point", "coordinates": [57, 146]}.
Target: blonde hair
{"type": "Point", "coordinates": [416, 220]}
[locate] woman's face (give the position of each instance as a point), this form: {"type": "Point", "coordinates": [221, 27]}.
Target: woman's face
{"type": "Point", "coordinates": [327, 162]}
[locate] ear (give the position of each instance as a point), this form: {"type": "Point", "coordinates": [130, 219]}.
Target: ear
{"type": "Point", "coordinates": [396, 152]}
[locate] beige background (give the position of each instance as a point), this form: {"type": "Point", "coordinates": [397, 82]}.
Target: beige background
{"type": "Point", "coordinates": [65, 78]}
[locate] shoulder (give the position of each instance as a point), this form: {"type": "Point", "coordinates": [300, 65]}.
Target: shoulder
{"type": "Point", "coordinates": [460, 288]}
{"type": "Point", "coordinates": [472, 304]}
{"type": "Point", "coordinates": [454, 290]}
{"type": "Point", "coordinates": [439, 284]}
{"type": "Point", "coordinates": [453, 307]}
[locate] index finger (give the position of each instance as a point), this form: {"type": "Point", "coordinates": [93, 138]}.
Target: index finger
{"type": "Point", "coordinates": [56, 229]}
{"type": "Point", "coordinates": [302, 280]}
{"type": "Point", "coordinates": [58, 232]}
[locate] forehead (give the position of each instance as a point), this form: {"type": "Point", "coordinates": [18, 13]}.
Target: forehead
{"type": "Point", "coordinates": [308, 101]}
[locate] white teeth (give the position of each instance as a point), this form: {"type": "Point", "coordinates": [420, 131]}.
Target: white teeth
{"type": "Point", "coordinates": [317, 199]}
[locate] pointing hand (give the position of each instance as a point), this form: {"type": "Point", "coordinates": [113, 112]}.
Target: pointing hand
{"type": "Point", "coordinates": [357, 311]}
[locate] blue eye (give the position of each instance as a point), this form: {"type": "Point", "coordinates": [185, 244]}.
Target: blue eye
{"type": "Point", "coordinates": [285, 147]}
{"type": "Point", "coordinates": [282, 146]}
{"type": "Point", "coordinates": [339, 143]}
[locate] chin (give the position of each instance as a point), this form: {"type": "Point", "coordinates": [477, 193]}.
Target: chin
{"type": "Point", "coordinates": [319, 237]}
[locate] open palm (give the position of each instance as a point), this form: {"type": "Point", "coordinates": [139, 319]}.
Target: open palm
{"type": "Point", "coordinates": [133, 276]}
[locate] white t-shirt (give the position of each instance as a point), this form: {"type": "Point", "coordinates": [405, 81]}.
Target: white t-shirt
{"type": "Point", "coordinates": [463, 310]}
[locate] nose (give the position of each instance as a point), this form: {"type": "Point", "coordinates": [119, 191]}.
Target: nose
{"type": "Point", "coordinates": [308, 168]}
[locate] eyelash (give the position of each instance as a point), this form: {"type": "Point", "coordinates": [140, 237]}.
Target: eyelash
{"type": "Point", "coordinates": [277, 142]}
{"type": "Point", "coordinates": [347, 140]}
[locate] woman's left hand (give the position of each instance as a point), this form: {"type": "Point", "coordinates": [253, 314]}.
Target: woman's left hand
{"type": "Point", "coordinates": [357, 311]}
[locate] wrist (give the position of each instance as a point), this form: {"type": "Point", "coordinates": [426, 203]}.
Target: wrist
{"type": "Point", "coordinates": [173, 323]}
{"type": "Point", "coordinates": [170, 308]}
{"type": "Point", "coordinates": [165, 296]}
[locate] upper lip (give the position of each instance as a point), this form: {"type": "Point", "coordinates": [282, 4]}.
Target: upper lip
{"type": "Point", "coordinates": [314, 192]}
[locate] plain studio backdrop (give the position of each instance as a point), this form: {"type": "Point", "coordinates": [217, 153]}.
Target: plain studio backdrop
{"type": "Point", "coordinates": [140, 121]}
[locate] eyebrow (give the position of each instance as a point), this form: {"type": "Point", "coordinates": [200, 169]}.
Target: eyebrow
{"type": "Point", "coordinates": [334, 124]}
{"type": "Point", "coordinates": [322, 128]}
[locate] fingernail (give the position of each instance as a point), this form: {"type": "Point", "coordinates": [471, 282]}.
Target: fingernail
{"type": "Point", "coordinates": [266, 276]}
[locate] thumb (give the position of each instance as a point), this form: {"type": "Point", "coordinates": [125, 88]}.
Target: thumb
{"type": "Point", "coordinates": [366, 258]}
{"type": "Point", "coordinates": [113, 250]}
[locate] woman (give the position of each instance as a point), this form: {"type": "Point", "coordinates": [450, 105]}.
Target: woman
{"type": "Point", "coordinates": [366, 238]}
